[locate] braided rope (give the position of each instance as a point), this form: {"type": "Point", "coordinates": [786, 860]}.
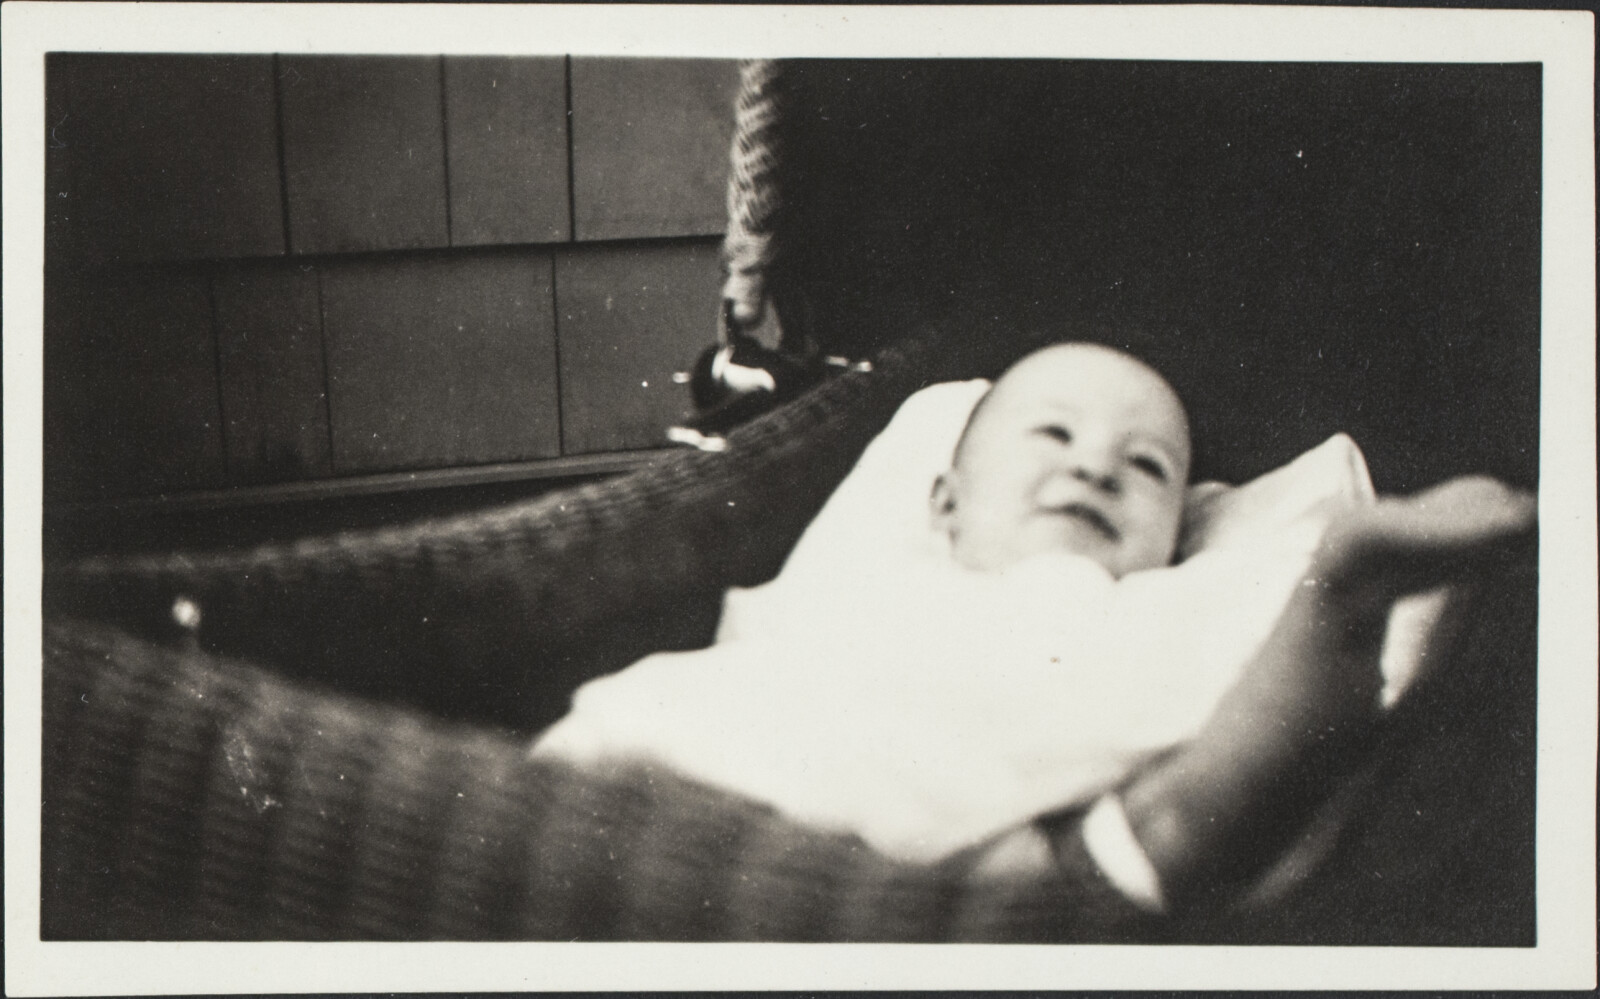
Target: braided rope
{"type": "Point", "coordinates": [755, 197]}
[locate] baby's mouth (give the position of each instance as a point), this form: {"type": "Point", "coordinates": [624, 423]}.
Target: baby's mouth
{"type": "Point", "coordinates": [1089, 515]}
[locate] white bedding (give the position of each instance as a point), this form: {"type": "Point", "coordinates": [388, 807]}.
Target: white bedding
{"type": "Point", "coordinates": [876, 688]}
{"type": "Point", "coordinates": [950, 707]}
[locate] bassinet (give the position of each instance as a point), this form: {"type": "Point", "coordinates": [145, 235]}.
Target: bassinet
{"type": "Point", "coordinates": [338, 752]}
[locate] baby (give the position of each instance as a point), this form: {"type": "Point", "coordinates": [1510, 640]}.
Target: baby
{"type": "Point", "coordinates": [1038, 662]}
{"type": "Point", "coordinates": [1083, 449]}
{"type": "Point", "coordinates": [1078, 448]}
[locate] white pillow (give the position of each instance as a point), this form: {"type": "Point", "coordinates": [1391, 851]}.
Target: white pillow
{"type": "Point", "coordinates": [881, 511]}
{"type": "Point", "coordinates": [881, 508]}
{"type": "Point", "coordinates": [1306, 490]}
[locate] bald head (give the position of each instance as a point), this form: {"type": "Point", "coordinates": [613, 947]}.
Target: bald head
{"type": "Point", "coordinates": [1078, 448]}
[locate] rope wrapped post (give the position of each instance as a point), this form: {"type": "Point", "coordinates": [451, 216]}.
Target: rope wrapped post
{"type": "Point", "coordinates": [755, 362]}
{"type": "Point", "coordinates": [755, 195]}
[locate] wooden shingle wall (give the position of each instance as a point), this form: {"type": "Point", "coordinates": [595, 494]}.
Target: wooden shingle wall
{"type": "Point", "coordinates": [276, 269]}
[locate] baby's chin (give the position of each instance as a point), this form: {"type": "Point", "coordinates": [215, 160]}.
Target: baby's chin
{"type": "Point", "coordinates": [1117, 560]}
{"type": "Point", "coordinates": [1125, 561]}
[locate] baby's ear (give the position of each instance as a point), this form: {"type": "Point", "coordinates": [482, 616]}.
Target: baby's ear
{"type": "Point", "coordinates": [942, 501]}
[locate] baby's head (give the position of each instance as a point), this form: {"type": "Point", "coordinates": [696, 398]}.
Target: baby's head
{"type": "Point", "coordinates": [1077, 448]}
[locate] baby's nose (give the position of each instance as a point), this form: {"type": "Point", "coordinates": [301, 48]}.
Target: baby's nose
{"type": "Point", "coordinates": [1095, 462]}
{"type": "Point", "coordinates": [1067, 483]}
{"type": "Point", "coordinates": [1101, 475]}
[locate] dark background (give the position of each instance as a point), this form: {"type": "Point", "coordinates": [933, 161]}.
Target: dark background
{"type": "Point", "coordinates": [278, 288]}
{"type": "Point", "coordinates": [1303, 249]}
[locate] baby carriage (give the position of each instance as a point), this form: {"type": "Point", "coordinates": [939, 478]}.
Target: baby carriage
{"type": "Point", "coordinates": [337, 750]}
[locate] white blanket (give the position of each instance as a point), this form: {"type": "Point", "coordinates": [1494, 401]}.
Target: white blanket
{"type": "Point", "coordinates": [955, 706]}
{"type": "Point", "coordinates": [877, 688]}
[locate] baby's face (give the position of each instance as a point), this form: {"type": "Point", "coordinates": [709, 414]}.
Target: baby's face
{"type": "Point", "coordinates": [1078, 448]}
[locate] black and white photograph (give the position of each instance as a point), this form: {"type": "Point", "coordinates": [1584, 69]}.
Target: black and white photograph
{"type": "Point", "coordinates": [1107, 498]}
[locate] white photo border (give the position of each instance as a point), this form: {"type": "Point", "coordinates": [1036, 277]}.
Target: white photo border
{"type": "Point", "coordinates": [1563, 41]}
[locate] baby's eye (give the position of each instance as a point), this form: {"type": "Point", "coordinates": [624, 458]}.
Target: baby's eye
{"type": "Point", "coordinates": [1150, 467]}
{"type": "Point", "coordinates": [1057, 433]}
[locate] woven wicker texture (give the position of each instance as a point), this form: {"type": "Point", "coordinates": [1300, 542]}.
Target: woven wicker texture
{"type": "Point", "coordinates": [525, 601]}
{"type": "Point", "coordinates": [194, 798]}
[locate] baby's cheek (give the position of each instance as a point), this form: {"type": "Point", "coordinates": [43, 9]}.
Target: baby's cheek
{"type": "Point", "coordinates": [1152, 543]}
